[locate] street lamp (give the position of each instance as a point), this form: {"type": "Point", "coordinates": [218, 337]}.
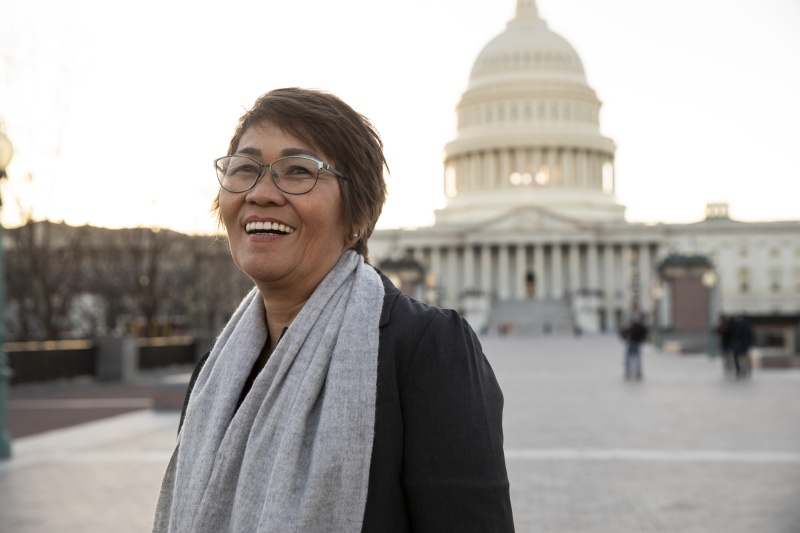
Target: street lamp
{"type": "Point", "coordinates": [6, 151]}
{"type": "Point", "coordinates": [709, 280]}
{"type": "Point", "coordinates": [657, 292]}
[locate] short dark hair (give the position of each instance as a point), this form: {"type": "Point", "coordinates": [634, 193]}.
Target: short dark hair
{"type": "Point", "coordinates": [326, 123]}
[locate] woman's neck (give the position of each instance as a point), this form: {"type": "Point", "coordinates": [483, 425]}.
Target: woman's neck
{"type": "Point", "coordinates": [279, 316]}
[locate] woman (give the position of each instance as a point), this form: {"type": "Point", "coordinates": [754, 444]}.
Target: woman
{"type": "Point", "coordinates": [331, 401]}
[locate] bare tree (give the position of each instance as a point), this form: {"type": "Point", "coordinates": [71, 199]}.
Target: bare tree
{"type": "Point", "coordinates": [68, 281]}
{"type": "Point", "coordinates": [215, 286]}
{"type": "Point", "coordinates": [43, 277]}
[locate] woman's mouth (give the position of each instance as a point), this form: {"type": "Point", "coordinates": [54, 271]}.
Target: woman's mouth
{"type": "Point", "coordinates": [267, 228]}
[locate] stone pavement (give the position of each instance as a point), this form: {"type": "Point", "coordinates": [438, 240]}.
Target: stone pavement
{"type": "Point", "coordinates": [686, 450]}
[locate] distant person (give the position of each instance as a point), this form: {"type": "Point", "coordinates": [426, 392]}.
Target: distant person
{"type": "Point", "coordinates": [725, 336]}
{"type": "Point", "coordinates": [634, 334]}
{"type": "Point", "coordinates": [331, 401]}
{"type": "Point", "coordinates": [742, 339]}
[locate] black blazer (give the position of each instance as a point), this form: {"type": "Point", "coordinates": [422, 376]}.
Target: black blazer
{"type": "Point", "coordinates": [437, 457]}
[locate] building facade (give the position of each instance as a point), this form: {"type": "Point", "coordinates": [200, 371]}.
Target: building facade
{"type": "Point", "coordinates": [532, 229]}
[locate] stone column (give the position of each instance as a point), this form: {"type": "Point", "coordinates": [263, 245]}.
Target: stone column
{"type": "Point", "coordinates": [489, 170]}
{"type": "Point", "coordinates": [503, 274]}
{"type": "Point", "coordinates": [452, 276]}
{"type": "Point", "coordinates": [594, 167]}
{"type": "Point", "coordinates": [556, 271]}
{"type": "Point", "coordinates": [609, 285]}
{"type": "Point", "coordinates": [469, 267]}
{"type": "Point", "coordinates": [592, 267]}
{"type": "Point", "coordinates": [458, 166]}
{"type": "Point", "coordinates": [519, 160]}
{"type": "Point", "coordinates": [522, 270]}
{"type": "Point", "coordinates": [536, 160]}
{"type": "Point", "coordinates": [538, 270]}
{"type": "Point", "coordinates": [436, 266]}
{"type": "Point", "coordinates": [597, 173]}
{"type": "Point", "coordinates": [486, 270]}
{"type": "Point", "coordinates": [505, 169]}
{"type": "Point", "coordinates": [581, 169]}
{"type": "Point", "coordinates": [477, 165]}
{"type": "Point", "coordinates": [625, 269]}
{"type": "Point", "coordinates": [644, 276]}
{"type": "Point", "coordinates": [569, 168]}
{"type": "Point", "coordinates": [552, 163]}
{"type": "Point", "coordinates": [574, 268]}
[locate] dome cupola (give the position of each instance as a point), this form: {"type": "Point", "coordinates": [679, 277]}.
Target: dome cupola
{"type": "Point", "coordinates": [527, 49]}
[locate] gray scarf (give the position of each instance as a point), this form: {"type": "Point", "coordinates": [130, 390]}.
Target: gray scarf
{"type": "Point", "coordinates": [295, 456]}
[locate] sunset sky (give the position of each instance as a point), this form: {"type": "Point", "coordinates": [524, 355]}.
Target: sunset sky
{"type": "Point", "coordinates": [117, 110]}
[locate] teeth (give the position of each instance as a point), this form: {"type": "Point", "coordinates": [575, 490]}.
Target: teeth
{"type": "Point", "coordinates": [268, 226]}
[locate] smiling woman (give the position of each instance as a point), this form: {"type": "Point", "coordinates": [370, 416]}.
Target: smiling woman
{"type": "Point", "coordinates": [330, 401]}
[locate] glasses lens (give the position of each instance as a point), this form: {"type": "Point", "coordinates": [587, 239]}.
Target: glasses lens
{"type": "Point", "coordinates": [295, 175]}
{"type": "Point", "coordinates": [236, 173]}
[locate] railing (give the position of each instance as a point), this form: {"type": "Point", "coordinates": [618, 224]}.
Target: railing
{"type": "Point", "coordinates": [50, 360]}
{"type": "Point", "coordinates": [104, 360]}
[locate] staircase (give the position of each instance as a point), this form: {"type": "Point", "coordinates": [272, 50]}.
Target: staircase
{"type": "Point", "coordinates": [531, 317]}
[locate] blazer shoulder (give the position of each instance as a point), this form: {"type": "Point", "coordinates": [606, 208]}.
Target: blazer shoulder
{"type": "Point", "coordinates": [403, 313]}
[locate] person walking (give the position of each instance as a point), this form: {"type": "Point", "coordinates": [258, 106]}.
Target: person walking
{"type": "Point", "coordinates": [725, 335]}
{"type": "Point", "coordinates": [634, 334]}
{"type": "Point", "coordinates": [742, 339]}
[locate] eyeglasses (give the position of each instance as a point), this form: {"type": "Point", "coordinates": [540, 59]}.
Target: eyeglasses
{"type": "Point", "coordinates": [296, 174]}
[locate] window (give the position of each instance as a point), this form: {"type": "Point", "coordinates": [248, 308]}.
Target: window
{"type": "Point", "coordinates": [744, 280]}
{"type": "Point", "coordinates": [775, 280]}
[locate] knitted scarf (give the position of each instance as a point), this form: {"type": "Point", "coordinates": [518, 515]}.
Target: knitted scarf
{"type": "Point", "coordinates": [295, 456]}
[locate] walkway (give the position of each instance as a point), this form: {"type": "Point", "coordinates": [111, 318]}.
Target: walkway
{"type": "Point", "coordinates": [686, 450]}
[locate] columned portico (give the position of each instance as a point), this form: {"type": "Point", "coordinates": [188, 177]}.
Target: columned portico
{"type": "Point", "coordinates": [527, 208]}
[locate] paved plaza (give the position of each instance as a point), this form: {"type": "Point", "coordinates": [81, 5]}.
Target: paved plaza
{"type": "Point", "coordinates": [685, 450]}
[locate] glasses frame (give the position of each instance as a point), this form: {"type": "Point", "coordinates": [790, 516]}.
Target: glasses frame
{"type": "Point", "coordinates": [321, 165]}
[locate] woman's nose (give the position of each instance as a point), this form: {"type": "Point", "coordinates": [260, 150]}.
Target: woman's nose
{"type": "Point", "coordinates": [265, 191]}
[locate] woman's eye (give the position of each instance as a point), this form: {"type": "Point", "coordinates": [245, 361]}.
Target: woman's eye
{"type": "Point", "coordinates": [298, 171]}
{"type": "Point", "coordinates": [244, 170]}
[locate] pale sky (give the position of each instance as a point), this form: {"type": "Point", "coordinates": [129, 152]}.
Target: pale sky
{"type": "Point", "coordinates": [117, 110]}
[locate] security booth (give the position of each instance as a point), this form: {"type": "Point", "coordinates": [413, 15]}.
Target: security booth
{"type": "Point", "coordinates": [688, 304]}
{"type": "Point", "coordinates": [407, 274]}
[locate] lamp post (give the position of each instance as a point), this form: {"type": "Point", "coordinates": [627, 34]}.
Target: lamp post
{"type": "Point", "coordinates": [709, 280]}
{"type": "Point", "coordinates": [657, 292]}
{"type": "Point", "coordinates": [6, 151]}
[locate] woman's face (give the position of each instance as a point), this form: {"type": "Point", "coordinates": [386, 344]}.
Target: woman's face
{"type": "Point", "coordinates": [311, 231]}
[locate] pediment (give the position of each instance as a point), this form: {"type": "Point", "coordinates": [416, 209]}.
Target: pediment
{"type": "Point", "coordinates": [525, 219]}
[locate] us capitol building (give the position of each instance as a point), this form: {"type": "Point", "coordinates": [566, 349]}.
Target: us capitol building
{"type": "Point", "coordinates": [532, 237]}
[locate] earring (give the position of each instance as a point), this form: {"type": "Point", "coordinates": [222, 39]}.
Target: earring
{"type": "Point", "coordinates": [354, 237]}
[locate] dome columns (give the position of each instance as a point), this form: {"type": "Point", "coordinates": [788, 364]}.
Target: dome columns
{"type": "Point", "coordinates": [546, 167]}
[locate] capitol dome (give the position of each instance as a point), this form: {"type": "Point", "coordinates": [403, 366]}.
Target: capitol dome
{"type": "Point", "coordinates": [528, 132]}
{"type": "Point", "coordinates": [527, 49]}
